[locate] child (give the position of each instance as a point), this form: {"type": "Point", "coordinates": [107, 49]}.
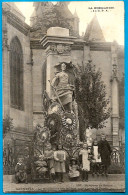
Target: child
{"type": "Point", "coordinates": [96, 158]}
{"type": "Point", "coordinates": [49, 156]}
{"type": "Point", "coordinates": [84, 161]}
{"type": "Point", "coordinates": [20, 171]}
{"type": "Point", "coordinates": [40, 166]}
{"type": "Point", "coordinates": [73, 170]}
{"type": "Point", "coordinates": [60, 158]}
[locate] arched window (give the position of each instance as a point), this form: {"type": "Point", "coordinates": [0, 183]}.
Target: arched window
{"type": "Point", "coordinates": [16, 74]}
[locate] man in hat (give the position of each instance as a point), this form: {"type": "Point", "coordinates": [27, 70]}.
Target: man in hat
{"type": "Point", "coordinates": [104, 150]}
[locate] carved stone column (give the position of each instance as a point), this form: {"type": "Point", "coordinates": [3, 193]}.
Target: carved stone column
{"type": "Point", "coordinates": [6, 69]}
{"type": "Point", "coordinates": [115, 97]}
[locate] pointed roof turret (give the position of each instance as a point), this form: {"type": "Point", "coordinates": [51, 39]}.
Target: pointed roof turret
{"type": "Point", "coordinates": [63, 3]}
{"type": "Point", "coordinates": [47, 14]}
{"type": "Point", "coordinates": [45, 3]}
{"type": "Point", "coordinates": [62, 7]}
{"type": "Point", "coordinates": [33, 14]}
{"type": "Point", "coordinates": [75, 14]}
{"type": "Point", "coordinates": [94, 32]}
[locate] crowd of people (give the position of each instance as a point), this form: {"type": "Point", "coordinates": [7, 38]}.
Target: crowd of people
{"type": "Point", "coordinates": [89, 159]}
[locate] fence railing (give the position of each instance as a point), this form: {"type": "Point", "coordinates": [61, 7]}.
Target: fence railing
{"type": "Point", "coordinates": [118, 160]}
{"type": "Point", "coordinates": [10, 153]}
{"type": "Point", "coordinates": [118, 155]}
{"type": "Point", "coordinates": [8, 160]}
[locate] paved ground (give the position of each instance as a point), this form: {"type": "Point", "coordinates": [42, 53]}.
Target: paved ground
{"type": "Point", "coordinates": [114, 183]}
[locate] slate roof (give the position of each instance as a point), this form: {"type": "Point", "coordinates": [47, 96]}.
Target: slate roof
{"type": "Point", "coordinates": [94, 31]}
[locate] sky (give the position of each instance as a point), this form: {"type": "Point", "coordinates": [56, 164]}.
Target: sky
{"type": "Point", "coordinates": [110, 16]}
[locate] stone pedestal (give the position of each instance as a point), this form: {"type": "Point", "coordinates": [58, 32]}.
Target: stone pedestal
{"type": "Point", "coordinates": [57, 43]}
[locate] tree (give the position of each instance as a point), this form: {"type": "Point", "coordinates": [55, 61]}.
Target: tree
{"type": "Point", "coordinates": [7, 125]}
{"type": "Point", "coordinates": [90, 93]}
{"type": "Point", "coordinates": [51, 16]}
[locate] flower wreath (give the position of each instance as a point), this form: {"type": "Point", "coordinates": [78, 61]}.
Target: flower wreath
{"type": "Point", "coordinates": [68, 138]}
{"type": "Point", "coordinates": [53, 122]}
{"type": "Point", "coordinates": [69, 121]}
{"type": "Point", "coordinates": [44, 135]}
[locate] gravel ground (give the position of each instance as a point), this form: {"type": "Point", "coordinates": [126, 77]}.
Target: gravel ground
{"type": "Point", "coordinates": [114, 183]}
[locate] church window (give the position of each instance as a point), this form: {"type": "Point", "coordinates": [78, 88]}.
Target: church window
{"type": "Point", "coordinates": [16, 74]}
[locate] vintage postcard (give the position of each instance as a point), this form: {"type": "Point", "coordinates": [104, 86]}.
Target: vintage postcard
{"type": "Point", "coordinates": [63, 96]}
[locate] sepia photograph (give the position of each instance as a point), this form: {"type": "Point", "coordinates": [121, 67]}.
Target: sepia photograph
{"type": "Point", "coordinates": [63, 96]}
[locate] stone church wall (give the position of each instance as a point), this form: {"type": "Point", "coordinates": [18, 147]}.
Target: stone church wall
{"type": "Point", "coordinates": [39, 61]}
{"type": "Point", "coordinates": [102, 60]}
{"type": "Point", "coordinates": [77, 57]}
{"type": "Point", "coordinates": [23, 119]}
{"type": "Point", "coordinates": [39, 58]}
{"type": "Point", "coordinates": [120, 57]}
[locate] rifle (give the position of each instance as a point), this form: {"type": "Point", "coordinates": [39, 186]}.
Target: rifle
{"type": "Point", "coordinates": [57, 96]}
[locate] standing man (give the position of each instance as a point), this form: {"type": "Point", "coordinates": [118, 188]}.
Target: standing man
{"type": "Point", "coordinates": [104, 150]}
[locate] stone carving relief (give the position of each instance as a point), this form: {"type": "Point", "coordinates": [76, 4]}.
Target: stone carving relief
{"type": "Point", "coordinates": [60, 49]}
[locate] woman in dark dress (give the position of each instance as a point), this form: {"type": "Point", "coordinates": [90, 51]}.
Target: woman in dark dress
{"type": "Point", "coordinates": [104, 150]}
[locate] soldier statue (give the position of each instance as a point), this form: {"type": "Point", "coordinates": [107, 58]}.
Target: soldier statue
{"type": "Point", "coordinates": [64, 90]}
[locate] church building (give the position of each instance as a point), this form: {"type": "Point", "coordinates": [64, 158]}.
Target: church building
{"type": "Point", "coordinates": [30, 54]}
